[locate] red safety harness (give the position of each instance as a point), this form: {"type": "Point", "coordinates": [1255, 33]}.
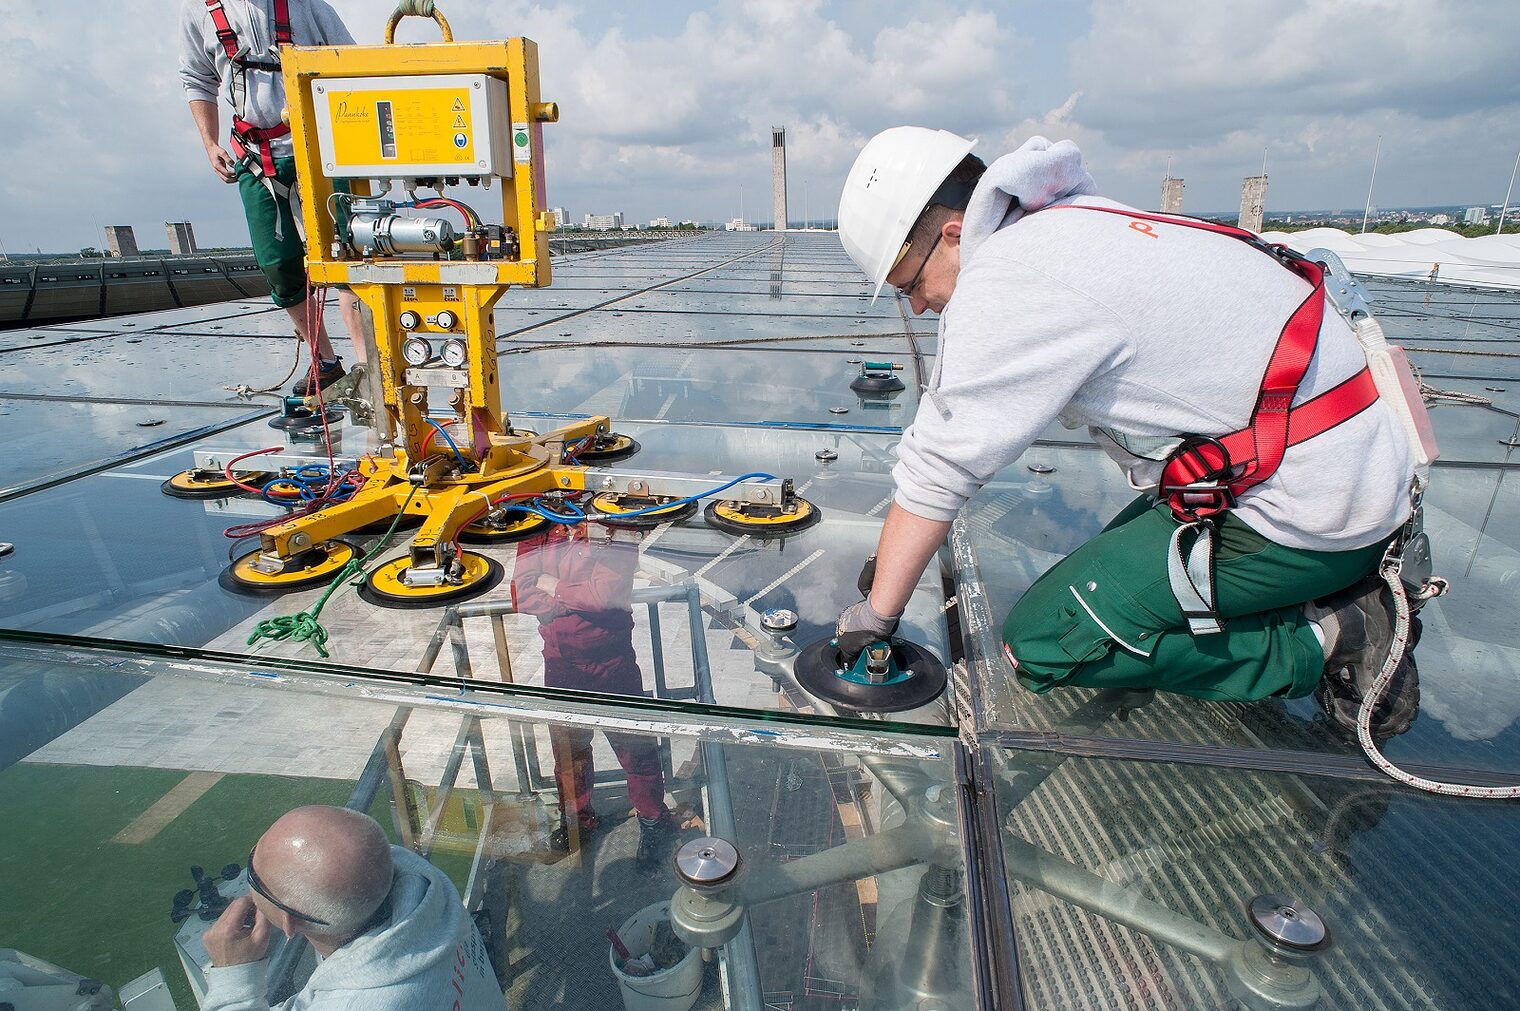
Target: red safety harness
{"type": "Point", "coordinates": [1205, 475]}
{"type": "Point", "coordinates": [246, 136]}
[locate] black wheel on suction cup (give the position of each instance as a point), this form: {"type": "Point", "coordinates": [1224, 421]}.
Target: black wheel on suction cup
{"type": "Point", "coordinates": [877, 384]}
{"type": "Point", "coordinates": [761, 522]}
{"type": "Point", "coordinates": [611, 509]}
{"type": "Point", "coordinates": [818, 663]}
{"type": "Point", "coordinates": [609, 449]}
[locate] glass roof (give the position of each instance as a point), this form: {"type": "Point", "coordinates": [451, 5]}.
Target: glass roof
{"type": "Point", "coordinates": [1073, 850]}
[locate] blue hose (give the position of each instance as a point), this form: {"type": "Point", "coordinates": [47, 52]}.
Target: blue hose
{"type": "Point", "coordinates": [463, 464]}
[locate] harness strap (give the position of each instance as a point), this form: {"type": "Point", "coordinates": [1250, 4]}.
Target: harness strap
{"type": "Point", "coordinates": [245, 135]}
{"type": "Point", "coordinates": [1192, 578]}
{"type": "Point", "coordinates": [1204, 476]}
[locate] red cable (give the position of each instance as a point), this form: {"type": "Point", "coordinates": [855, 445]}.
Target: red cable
{"type": "Point", "coordinates": [227, 470]}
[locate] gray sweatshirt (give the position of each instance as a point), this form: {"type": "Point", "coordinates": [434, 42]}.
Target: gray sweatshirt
{"type": "Point", "coordinates": [206, 72]}
{"type": "Point", "coordinates": [1141, 337]}
{"type": "Point", "coordinates": [425, 954]}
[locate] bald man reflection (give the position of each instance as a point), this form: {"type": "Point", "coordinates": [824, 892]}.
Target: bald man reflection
{"type": "Point", "coordinates": [390, 930]}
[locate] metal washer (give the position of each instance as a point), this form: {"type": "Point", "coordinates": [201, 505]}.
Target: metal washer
{"type": "Point", "coordinates": [707, 862]}
{"type": "Point", "coordinates": [1287, 921]}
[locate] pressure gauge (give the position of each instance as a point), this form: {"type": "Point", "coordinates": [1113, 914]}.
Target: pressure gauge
{"type": "Point", "coordinates": [416, 351]}
{"type": "Point", "coordinates": [446, 320]}
{"type": "Point", "coordinates": [454, 353]}
{"type": "Point", "coordinates": [410, 320]}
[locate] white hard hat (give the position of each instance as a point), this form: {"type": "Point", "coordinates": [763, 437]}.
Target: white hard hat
{"type": "Point", "coordinates": [890, 184]}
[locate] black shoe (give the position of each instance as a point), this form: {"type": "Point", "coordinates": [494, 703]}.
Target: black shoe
{"type": "Point", "coordinates": [657, 841]}
{"type": "Point", "coordinates": [559, 837]}
{"type": "Point", "coordinates": [1359, 624]}
{"type": "Point", "coordinates": [327, 374]}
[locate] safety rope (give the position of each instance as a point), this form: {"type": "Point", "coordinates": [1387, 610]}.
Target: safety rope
{"type": "Point", "coordinates": [303, 626]}
{"type": "Point", "coordinates": [1390, 571]}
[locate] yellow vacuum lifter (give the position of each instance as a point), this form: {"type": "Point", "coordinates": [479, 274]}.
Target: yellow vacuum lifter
{"type": "Point", "coordinates": [420, 118]}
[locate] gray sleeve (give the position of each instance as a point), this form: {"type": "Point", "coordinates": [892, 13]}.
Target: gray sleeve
{"type": "Point", "coordinates": [197, 69]}
{"type": "Point", "coordinates": [1015, 347]}
{"type": "Point", "coordinates": [330, 27]}
{"type": "Point", "coordinates": [237, 987]}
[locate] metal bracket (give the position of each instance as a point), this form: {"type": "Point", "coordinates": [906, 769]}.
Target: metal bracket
{"type": "Point", "coordinates": [671, 484]}
{"type": "Point", "coordinates": [1341, 286]}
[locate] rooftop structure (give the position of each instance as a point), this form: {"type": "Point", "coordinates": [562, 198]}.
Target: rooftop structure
{"type": "Point", "coordinates": [1253, 202]}
{"type": "Point", "coordinates": [181, 238]}
{"type": "Point", "coordinates": [120, 241]}
{"type": "Point", "coordinates": [778, 177]}
{"type": "Point", "coordinates": [994, 848]}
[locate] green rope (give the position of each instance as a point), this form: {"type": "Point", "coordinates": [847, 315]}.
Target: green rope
{"type": "Point", "coordinates": [304, 626]}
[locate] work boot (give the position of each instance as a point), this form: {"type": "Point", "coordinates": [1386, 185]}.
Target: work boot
{"type": "Point", "coordinates": [327, 374]}
{"type": "Point", "coordinates": [657, 841]}
{"type": "Point", "coordinates": [1358, 625]}
{"type": "Point", "coordinates": [559, 837]}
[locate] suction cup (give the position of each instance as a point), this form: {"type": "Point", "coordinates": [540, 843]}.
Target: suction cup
{"type": "Point", "coordinates": [761, 521]}
{"type": "Point", "coordinates": [912, 677]}
{"type": "Point", "coordinates": [385, 587]}
{"type": "Point", "coordinates": [608, 448]}
{"type": "Point", "coordinates": [309, 568]}
{"type": "Point", "coordinates": [870, 382]}
{"type": "Point", "coordinates": [613, 509]}
{"type": "Point", "coordinates": [515, 526]}
{"type": "Point", "coordinates": [202, 484]}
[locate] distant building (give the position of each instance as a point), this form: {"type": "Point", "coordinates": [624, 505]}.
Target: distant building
{"type": "Point", "coordinates": [181, 238]}
{"type": "Point", "coordinates": [1253, 202]}
{"type": "Point", "coordinates": [739, 225]}
{"type": "Point", "coordinates": [120, 241]}
{"type": "Point", "coordinates": [561, 216]}
{"type": "Point", "coordinates": [603, 222]}
{"type": "Point", "coordinates": [778, 176]}
{"type": "Point", "coordinates": [1475, 216]}
{"type": "Point", "coordinates": [1171, 196]}
{"type": "Point", "coordinates": [660, 223]}
{"type": "Point", "coordinates": [1440, 219]}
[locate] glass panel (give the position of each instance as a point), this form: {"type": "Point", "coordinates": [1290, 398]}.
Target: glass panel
{"type": "Point", "coordinates": [1024, 522]}
{"type": "Point", "coordinates": [1130, 884]}
{"type": "Point", "coordinates": [110, 555]}
{"type": "Point", "coordinates": [53, 437]}
{"type": "Point", "coordinates": [194, 314]}
{"type": "Point", "coordinates": [553, 825]}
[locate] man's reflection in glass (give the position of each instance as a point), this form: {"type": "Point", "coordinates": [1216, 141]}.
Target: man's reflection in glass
{"type": "Point", "coordinates": [578, 581]}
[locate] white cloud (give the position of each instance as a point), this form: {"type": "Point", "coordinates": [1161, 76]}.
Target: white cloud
{"type": "Point", "coordinates": [667, 111]}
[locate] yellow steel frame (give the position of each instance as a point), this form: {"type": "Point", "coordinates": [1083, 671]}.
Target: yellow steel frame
{"type": "Point", "coordinates": [427, 482]}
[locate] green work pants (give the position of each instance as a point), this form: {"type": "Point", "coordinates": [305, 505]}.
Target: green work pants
{"type": "Point", "coordinates": [1105, 617]}
{"type": "Point", "coordinates": [282, 258]}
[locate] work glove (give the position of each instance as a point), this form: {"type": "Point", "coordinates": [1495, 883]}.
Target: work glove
{"type": "Point", "coordinates": [862, 617]}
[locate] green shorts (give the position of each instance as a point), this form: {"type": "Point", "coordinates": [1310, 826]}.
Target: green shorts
{"type": "Point", "coordinates": [282, 258]}
{"type": "Point", "coordinates": [1105, 617]}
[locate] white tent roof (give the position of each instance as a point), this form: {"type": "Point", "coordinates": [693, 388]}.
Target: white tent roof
{"type": "Point", "coordinates": [1489, 261]}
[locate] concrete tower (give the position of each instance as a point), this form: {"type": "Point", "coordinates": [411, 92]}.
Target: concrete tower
{"type": "Point", "coordinates": [778, 176]}
{"type": "Point", "coordinates": [1253, 202]}
{"type": "Point", "coordinates": [1171, 195]}
{"type": "Point", "coordinates": [181, 238]}
{"type": "Point", "coordinates": [120, 240]}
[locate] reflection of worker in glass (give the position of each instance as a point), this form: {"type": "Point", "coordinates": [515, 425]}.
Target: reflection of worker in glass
{"type": "Point", "coordinates": [388, 926]}
{"type": "Point", "coordinates": [579, 586]}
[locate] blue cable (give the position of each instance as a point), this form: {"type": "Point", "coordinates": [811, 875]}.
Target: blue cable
{"type": "Point", "coordinates": [576, 515]}
{"type": "Point", "coordinates": [463, 464]}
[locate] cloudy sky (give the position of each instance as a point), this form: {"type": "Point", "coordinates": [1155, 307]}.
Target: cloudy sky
{"type": "Point", "coordinates": [666, 108]}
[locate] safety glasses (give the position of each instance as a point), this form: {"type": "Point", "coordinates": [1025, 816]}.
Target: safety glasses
{"type": "Point", "coordinates": [906, 290]}
{"type": "Point", "coordinates": [258, 886]}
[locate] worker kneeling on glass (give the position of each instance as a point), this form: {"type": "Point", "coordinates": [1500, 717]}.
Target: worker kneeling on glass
{"type": "Point", "coordinates": [1236, 577]}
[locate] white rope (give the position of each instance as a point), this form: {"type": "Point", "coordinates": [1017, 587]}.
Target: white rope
{"type": "Point", "coordinates": [1390, 574]}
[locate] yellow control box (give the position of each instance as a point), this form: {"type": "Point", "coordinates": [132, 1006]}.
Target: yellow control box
{"type": "Point", "coordinates": [410, 127]}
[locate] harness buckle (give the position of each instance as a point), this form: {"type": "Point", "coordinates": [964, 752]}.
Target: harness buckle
{"type": "Point", "coordinates": [1195, 481]}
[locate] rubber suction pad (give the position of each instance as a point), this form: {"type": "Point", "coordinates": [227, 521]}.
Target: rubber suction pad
{"type": "Point", "coordinates": [823, 673]}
